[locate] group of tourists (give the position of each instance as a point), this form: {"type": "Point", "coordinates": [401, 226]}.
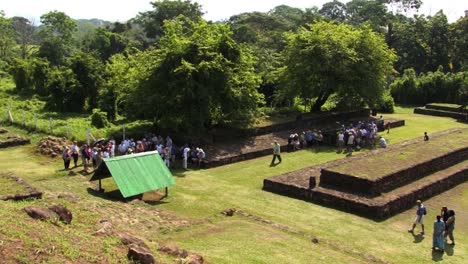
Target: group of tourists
{"type": "Point", "coordinates": [358, 135]}
{"type": "Point", "coordinates": [443, 226]}
{"type": "Point", "coordinates": [306, 138]}
{"type": "Point", "coordinates": [190, 155]}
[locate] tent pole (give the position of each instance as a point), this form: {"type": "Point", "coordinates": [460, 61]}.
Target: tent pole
{"type": "Point", "coordinates": [166, 192]}
{"type": "Point", "coordinates": [100, 188]}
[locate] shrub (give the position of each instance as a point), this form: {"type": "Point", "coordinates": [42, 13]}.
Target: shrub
{"type": "Point", "coordinates": [386, 104]}
{"type": "Point", "coordinates": [99, 118]}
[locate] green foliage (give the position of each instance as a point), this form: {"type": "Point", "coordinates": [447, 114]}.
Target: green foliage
{"type": "Point", "coordinates": [459, 45]}
{"type": "Point", "coordinates": [198, 71]}
{"type": "Point", "coordinates": [22, 72]}
{"type": "Point", "coordinates": [386, 104]}
{"type": "Point", "coordinates": [57, 37]}
{"type": "Point", "coordinates": [430, 87]}
{"type": "Point", "coordinates": [153, 20]}
{"type": "Point", "coordinates": [7, 40]}
{"type": "Point", "coordinates": [328, 58]}
{"type": "Point", "coordinates": [99, 118]}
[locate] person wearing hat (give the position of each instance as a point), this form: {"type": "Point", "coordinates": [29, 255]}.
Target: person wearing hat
{"type": "Point", "coordinates": [276, 152]}
{"type": "Point", "coordinates": [420, 213]}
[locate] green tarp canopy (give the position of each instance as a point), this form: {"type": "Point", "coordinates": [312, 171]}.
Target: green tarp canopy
{"type": "Point", "coordinates": [136, 173]}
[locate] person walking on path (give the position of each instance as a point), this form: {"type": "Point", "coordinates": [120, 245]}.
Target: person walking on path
{"type": "Point", "coordinates": [420, 213]}
{"type": "Point", "coordinates": [276, 152]}
{"type": "Point", "coordinates": [66, 155]}
{"type": "Point", "coordinates": [426, 137]}
{"type": "Point", "coordinates": [450, 227]}
{"type": "Point", "coordinates": [438, 235]}
{"type": "Point", "coordinates": [75, 153]}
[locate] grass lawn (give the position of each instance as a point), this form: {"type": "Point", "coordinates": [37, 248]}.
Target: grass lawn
{"type": "Point", "coordinates": [190, 217]}
{"type": "Point", "coordinates": [404, 157]}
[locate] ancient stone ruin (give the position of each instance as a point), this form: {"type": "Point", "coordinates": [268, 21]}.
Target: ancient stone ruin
{"type": "Point", "coordinates": [382, 182]}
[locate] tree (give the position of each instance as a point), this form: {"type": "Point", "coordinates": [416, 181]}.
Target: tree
{"type": "Point", "coordinates": [24, 33]}
{"type": "Point", "coordinates": [7, 41]}
{"type": "Point", "coordinates": [88, 73]}
{"type": "Point", "coordinates": [198, 78]}
{"type": "Point", "coordinates": [57, 37]}
{"type": "Point", "coordinates": [334, 10]}
{"type": "Point", "coordinates": [438, 42]}
{"type": "Point", "coordinates": [459, 44]}
{"type": "Point", "coordinates": [153, 21]}
{"type": "Point", "coordinates": [327, 58]}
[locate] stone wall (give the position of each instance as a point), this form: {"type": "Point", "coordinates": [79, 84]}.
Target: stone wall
{"type": "Point", "coordinates": [353, 184]}
{"type": "Point", "coordinates": [364, 206]}
{"type": "Point", "coordinates": [302, 120]}
{"type": "Point", "coordinates": [13, 142]}
{"type": "Point", "coordinates": [433, 112]}
{"type": "Point", "coordinates": [447, 108]}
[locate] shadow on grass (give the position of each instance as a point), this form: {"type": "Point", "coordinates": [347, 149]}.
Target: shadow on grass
{"type": "Point", "coordinates": [417, 238]}
{"type": "Point", "coordinates": [449, 249]}
{"type": "Point", "coordinates": [114, 195]}
{"type": "Point", "coordinates": [437, 255]}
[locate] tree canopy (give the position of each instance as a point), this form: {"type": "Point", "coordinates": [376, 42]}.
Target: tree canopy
{"type": "Point", "coordinates": [326, 58]}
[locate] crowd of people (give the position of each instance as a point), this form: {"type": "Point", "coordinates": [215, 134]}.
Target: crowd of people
{"type": "Point", "coordinates": [306, 138]}
{"type": "Point", "coordinates": [92, 155]}
{"type": "Point", "coordinates": [444, 225]}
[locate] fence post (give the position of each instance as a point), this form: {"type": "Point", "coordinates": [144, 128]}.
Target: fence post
{"type": "Point", "coordinates": [10, 116]}
{"type": "Point", "coordinates": [68, 131]}
{"type": "Point", "coordinates": [24, 120]}
{"type": "Point", "coordinates": [87, 135]}
{"type": "Point", "coordinates": [123, 132]}
{"type": "Point", "coordinates": [35, 122]}
{"type": "Point", "coordinates": [51, 126]}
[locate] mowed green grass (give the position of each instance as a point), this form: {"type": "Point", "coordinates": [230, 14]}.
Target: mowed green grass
{"type": "Point", "coordinates": [201, 195]}
{"type": "Point", "coordinates": [377, 166]}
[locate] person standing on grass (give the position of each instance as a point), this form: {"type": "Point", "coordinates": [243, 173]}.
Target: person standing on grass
{"type": "Point", "coordinates": [185, 153]}
{"type": "Point", "coordinates": [276, 152]}
{"type": "Point", "coordinates": [75, 153]}
{"type": "Point", "coordinates": [438, 236]}
{"type": "Point", "coordinates": [420, 213]}
{"type": "Point", "coordinates": [426, 137]}
{"type": "Point", "coordinates": [66, 155]}
{"type": "Point", "coordinates": [450, 227]}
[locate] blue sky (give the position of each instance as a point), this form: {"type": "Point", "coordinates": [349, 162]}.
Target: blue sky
{"type": "Point", "coordinates": [122, 10]}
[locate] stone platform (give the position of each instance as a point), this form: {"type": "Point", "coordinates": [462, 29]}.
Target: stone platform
{"type": "Point", "coordinates": [392, 198]}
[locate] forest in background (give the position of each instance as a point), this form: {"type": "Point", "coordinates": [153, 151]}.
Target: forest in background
{"type": "Point", "coordinates": [187, 75]}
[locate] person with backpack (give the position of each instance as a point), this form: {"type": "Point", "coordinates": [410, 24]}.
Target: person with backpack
{"type": "Point", "coordinates": [420, 213]}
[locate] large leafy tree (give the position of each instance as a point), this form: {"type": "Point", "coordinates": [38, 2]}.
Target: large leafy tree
{"type": "Point", "coordinates": [24, 34]}
{"type": "Point", "coordinates": [153, 20]}
{"type": "Point", "coordinates": [56, 36]}
{"type": "Point", "coordinates": [7, 40]}
{"type": "Point", "coordinates": [327, 58]}
{"type": "Point", "coordinates": [198, 78]}
{"type": "Point", "coordinates": [459, 44]}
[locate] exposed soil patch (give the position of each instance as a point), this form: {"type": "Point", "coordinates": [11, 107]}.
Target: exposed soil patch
{"type": "Point", "coordinates": [7, 140]}
{"type": "Point", "coordinates": [52, 146]}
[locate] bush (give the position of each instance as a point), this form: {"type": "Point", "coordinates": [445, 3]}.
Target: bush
{"type": "Point", "coordinates": [386, 104]}
{"type": "Point", "coordinates": [99, 118]}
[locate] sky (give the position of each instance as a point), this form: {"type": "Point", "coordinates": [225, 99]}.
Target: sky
{"type": "Point", "coordinates": [122, 10]}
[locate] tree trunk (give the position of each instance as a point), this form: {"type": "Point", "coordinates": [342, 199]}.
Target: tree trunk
{"type": "Point", "coordinates": [321, 99]}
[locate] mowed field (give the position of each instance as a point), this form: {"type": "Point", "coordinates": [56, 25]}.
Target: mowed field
{"type": "Point", "coordinates": [190, 217]}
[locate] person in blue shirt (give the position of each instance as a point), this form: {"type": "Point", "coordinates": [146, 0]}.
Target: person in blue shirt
{"type": "Point", "coordinates": [420, 213]}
